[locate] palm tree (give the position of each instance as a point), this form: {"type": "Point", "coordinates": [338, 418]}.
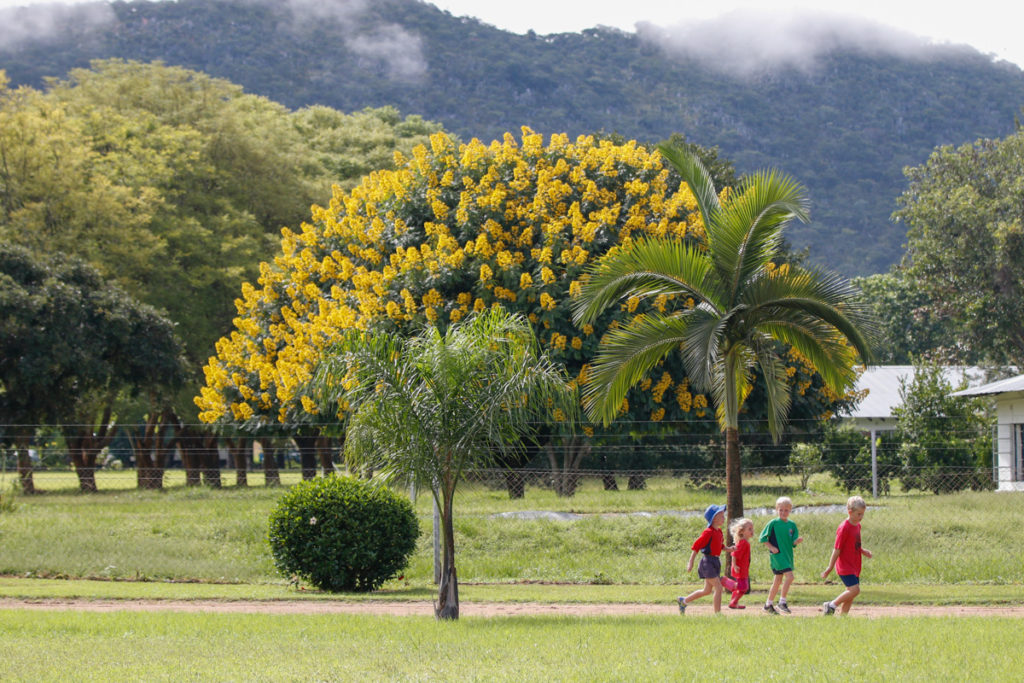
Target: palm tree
{"type": "Point", "coordinates": [744, 305]}
{"type": "Point", "coordinates": [426, 408]}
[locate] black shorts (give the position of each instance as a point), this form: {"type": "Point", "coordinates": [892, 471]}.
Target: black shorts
{"type": "Point", "coordinates": [780, 572]}
{"type": "Point", "coordinates": [849, 579]}
{"type": "Point", "coordinates": [710, 567]}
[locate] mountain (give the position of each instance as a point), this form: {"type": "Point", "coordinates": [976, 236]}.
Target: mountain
{"type": "Point", "coordinates": [845, 122]}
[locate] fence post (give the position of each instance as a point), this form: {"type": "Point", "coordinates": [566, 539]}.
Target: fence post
{"type": "Point", "coordinates": [874, 464]}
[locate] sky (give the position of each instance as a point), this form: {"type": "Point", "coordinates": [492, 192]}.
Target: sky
{"type": "Point", "coordinates": [739, 33]}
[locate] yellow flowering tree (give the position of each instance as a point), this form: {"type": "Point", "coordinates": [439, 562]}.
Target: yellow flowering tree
{"type": "Point", "coordinates": [458, 228]}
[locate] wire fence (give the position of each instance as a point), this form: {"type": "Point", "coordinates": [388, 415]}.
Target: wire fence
{"type": "Point", "coordinates": [628, 457]}
{"type": "Point", "coordinates": [850, 478]}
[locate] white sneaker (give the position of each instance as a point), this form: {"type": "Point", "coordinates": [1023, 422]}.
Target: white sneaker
{"type": "Point", "coordinates": [827, 609]}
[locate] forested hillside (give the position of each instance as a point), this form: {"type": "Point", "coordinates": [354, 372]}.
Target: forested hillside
{"type": "Point", "coordinates": [846, 127]}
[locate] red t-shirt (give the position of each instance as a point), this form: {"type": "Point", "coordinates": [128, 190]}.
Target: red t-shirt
{"type": "Point", "coordinates": [712, 535]}
{"type": "Point", "coordinates": [848, 542]}
{"type": "Point", "coordinates": [741, 560]}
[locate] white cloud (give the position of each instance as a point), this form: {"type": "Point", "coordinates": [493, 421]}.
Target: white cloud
{"type": "Point", "coordinates": [42, 21]}
{"type": "Point", "coordinates": [749, 42]}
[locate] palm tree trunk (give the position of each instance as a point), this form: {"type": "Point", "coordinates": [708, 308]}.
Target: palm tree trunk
{"type": "Point", "coordinates": [448, 593]}
{"type": "Point", "coordinates": [733, 474]}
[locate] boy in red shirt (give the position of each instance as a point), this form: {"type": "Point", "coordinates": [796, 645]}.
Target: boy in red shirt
{"type": "Point", "coordinates": [710, 543]}
{"type": "Point", "coordinates": [846, 557]}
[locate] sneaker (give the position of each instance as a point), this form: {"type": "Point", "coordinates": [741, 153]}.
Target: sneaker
{"type": "Point", "coordinates": [770, 608]}
{"type": "Point", "coordinates": [682, 604]}
{"type": "Point", "coordinates": [732, 606]}
{"type": "Point", "coordinates": [783, 607]}
{"type": "Point", "coordinates": [827, 609]}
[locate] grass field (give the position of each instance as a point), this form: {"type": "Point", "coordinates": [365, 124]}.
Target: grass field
{"type": "Point", "coordinates": [189, 544]}
{"type": "Point", "coordinates": [209, 535]}
{"type": "Point", "coordinates": [58, 646]}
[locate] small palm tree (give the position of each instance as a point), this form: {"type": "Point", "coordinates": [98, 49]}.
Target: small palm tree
{"type": "Point", "coordinates": [426, 408]}
{"type": "Point", "coordinates": [744, 306]}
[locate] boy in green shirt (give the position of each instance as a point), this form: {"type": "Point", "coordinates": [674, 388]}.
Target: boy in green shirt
{"type": "Point", "coordinates": [781, 536]}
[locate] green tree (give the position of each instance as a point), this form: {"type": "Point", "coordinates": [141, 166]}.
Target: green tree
{"type": "Point", "coordinates": [909, 326]}
{"type": "Point", "coordinates": [428, 407]}
{"type": "Point", "coordinates": [964, 210]}
{"type": "Point", "coordinates": [175, 185]}
{"type": "Point", "coordinates": [941, 435]}
{"type": "Point", "coordinates": [744, 305]}
{"type": "Point", "coordinates": [460, 228]}
{"type": "Point", "coordinates": [70, 345]}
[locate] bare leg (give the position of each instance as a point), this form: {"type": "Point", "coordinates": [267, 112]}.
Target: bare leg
{"type": "Point", "coordinates": [845, 599]}
{"type": "Point", "coordinates": [701, 592]}
{"type": "Point", "coordinates": [776, 582]}
{"type": "Point", "coordinates": [787, 581]}
{"type": "Point", "coordinates": [717, 588]}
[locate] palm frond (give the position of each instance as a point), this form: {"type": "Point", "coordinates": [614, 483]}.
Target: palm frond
{"type": "Point", "coordinates": [696, 176]}
{"type": "Point", "coordinates": [646, 268]}
{"type": "Point", "coordinates": [773, 370]}
{"type": "Point", "coordinates": [748, 230]}
{"type": "Point", "coordinates": [624, 357]}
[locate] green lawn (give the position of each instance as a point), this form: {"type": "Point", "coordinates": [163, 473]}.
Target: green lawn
{"type": "Point", "coordinates": [123, 646]}
{"type": "Point", "coordinates": [218, 536]}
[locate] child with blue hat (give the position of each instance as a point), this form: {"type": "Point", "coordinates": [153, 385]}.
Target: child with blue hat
{"type": "Point", "coordinates": [710, 545]}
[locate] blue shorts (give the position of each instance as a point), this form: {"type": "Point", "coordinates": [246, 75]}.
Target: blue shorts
{"type": "Point", "coordinates": [849, 579]}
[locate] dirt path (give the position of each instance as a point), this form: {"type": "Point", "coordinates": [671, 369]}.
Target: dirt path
{"type": "Point", "coordinates": [487, 609]}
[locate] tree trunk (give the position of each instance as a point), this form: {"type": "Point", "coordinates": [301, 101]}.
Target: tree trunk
{"type": "Point", "coordinates": [307, 454]}
{"type": "Point", "coordinates": [323, 451]}
{"type": "Point", "coordinates": [190, 460]}
{"type": "Point", "coordinates": [151, 450]}
{"type": "Point", "coordinates": [448, 594]}
{"type": "Point", "coordinates": [271, 476]}
{"type": "Point", "coordinates": [565, 476]}
{"type": "Point", "coordinates": [85, 444]}
{"type": "Point", "coordinates": [636, 482]}
{"type": "Point", "coordinates": [733, 474]}
{"type": "Point", "coordinates": [210, 459]}
{"type": "Point", "coordinates": [609, 482]}
{"type": "Point", "coordinates": [515, 483]}
{"type": "Point", "coordinates": [21, 444]}
{"type": "Point", "coordinates": [239, 448]}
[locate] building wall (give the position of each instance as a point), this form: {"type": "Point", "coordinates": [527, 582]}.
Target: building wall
{"type": "Point", "coordinates": [1009, 443]}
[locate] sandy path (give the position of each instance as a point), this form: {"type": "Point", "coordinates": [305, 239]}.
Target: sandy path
{"type": "Point", "coordinates": [488, 609]}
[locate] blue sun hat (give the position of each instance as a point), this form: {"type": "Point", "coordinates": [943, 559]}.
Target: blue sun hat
{"type": "Point", "coordinates": [713, 510]}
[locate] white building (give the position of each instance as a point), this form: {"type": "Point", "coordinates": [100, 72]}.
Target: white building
{"type": "Point", "coordinates": [1009, 396]}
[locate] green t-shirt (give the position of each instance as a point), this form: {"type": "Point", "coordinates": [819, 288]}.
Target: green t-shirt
{"type": "Point", "coordinates": [782, 535]}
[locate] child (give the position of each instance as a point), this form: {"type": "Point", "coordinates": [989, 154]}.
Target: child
{"type": "Point", "coordinates": [710, 543]}
{"type": "Point", "coordinates": [846, 556]}
{"type": "Point", "coordinates": [781, 536]}
{"type": "Point", "coordinates": [742, 531]}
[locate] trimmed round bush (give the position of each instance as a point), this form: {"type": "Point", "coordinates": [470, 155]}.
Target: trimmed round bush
{"type": "Point", "coordinates": [342, 534]}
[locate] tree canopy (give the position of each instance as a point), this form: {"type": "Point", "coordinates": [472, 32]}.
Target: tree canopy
{"type": "Point", "coordinates": [172, 183]}
{"type": "Point", "coordinates": [742, 308]}
{"type": "Point", "coordinates": [460, 228]}
{"type": "Point", "coordinates": [964, 210]}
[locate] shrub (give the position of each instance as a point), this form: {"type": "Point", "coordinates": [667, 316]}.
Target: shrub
{"type": "Point", "coordinates": [342, 534]}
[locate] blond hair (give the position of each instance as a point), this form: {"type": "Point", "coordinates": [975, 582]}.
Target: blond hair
{"type": "Point", "coordinates": [783, 499]}
{"type": "Point", "coordinates": [856, 503]}
{"type": "Point", "coordinates": [737, 526]}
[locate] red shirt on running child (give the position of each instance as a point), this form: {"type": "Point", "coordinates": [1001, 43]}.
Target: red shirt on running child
{"type": "Point", "coordinates": [848, 542]}
{"type": "Point", "coordinates": [712, 535]}
{"type": "Point", "coordinates": [741, 560]}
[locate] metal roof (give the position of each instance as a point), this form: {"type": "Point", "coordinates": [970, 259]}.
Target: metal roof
{"type": "Point", "coordinates": [883, 387]}
{"type": "Point", "coordinates": [1003, 386]}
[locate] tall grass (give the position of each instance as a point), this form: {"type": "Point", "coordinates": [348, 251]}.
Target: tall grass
{"type": "Point", "coordinates": [210, 535]}
{"type": "Point", "coordinates": [58, 646]}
